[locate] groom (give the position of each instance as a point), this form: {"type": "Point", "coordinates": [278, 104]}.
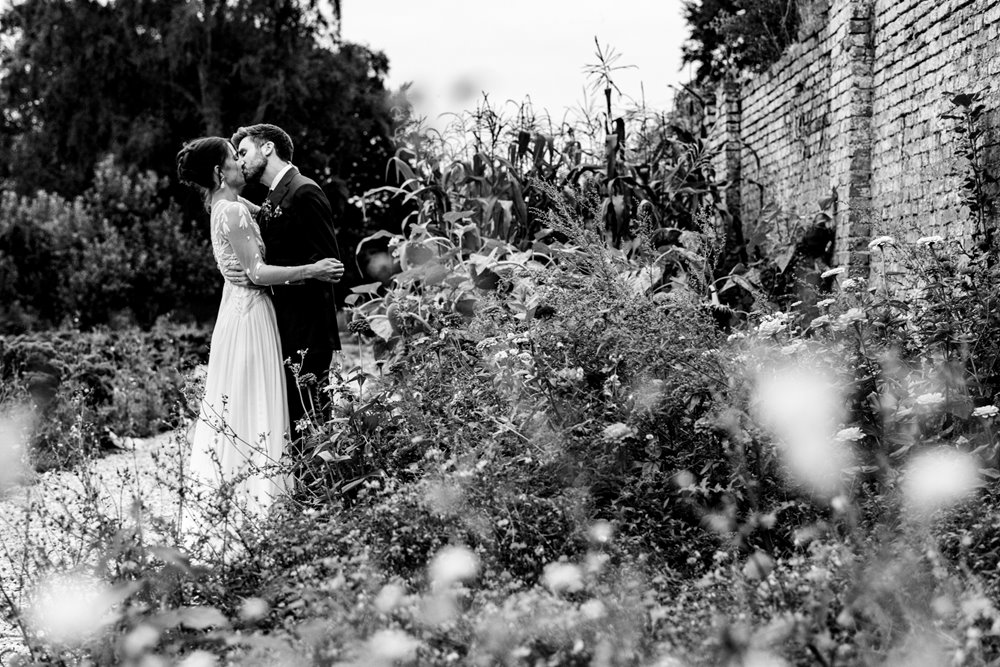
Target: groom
{"type": "Point", "coordinates": [296, 224]}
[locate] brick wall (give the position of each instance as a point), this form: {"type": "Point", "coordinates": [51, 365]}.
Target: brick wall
{"type": "Point", "coordinates": [853, 110]}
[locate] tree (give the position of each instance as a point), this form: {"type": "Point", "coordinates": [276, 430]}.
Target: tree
{"type": "Point", "coordinates": [136, 78]}
{"type": "Point", "coordinates": [737, 36]}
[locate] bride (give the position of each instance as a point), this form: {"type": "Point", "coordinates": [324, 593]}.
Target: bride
{"type": "Point", "coordinates": [242, 429]}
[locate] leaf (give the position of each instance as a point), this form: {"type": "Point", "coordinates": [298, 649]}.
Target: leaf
{"type": "Point", "coordinates": [415, 253]}
{"type": "Point", "coordinates": [381, 326]}
{"type": "Point", "coordinates": [381, 234]}
{"type": "Point", "coordinates": [436, 274]}
{"type": "Point", "coordinates": [785, 258]}
{"type": "Point", "coordinates": [487, 279]}
{"type": "Point", "coordinates": [367, 288]}
{"type": "Point", "coordinates": [455, 216]}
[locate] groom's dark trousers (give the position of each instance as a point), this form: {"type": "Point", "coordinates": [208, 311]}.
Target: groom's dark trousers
{"type": "Point", "coordinates": [299, 230]}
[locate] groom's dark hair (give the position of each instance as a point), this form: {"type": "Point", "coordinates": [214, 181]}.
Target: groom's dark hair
{"type": "Point", "coordinates": [261, 133]}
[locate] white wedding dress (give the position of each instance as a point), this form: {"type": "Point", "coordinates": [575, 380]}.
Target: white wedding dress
{"type": "Point", "coordinates": [242, 431]}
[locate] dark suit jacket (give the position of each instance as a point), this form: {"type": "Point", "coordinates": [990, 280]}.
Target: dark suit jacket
{"type": "Point", "coordinates": [300, 231]}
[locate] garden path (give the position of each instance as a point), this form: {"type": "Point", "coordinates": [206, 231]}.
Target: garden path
{"type": "Point", "coordinates": [57, 520]}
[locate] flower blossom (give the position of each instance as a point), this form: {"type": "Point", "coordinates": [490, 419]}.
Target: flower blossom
{"type": "Point", "coordinates": [853, 433]}
{"type": "Point", "coordinates": [986, 411]}
{"type": "Point", "coordinates": [617, 431]}
{"type": "Point", "coordinates": [833, 272]}
{"type": "Point", "coordinates": [793, 348]}
{"type": "Point", "coordinates": [772, 325]}
{"type": "Point", "coordinates": [452, 564]}
{"type": "Point", "coordinates": [563, 577]}
{"type": "Point", "coordinates": [880, 242]}
{"type": "Point", "coordinates": [825, 303]}
{"type": "Point", "coordinates": [852, 315]}
{"type": "Point", "coordinates": [931, 399]}
{"type": "Point", "coordinates": [850, 284]}
{"type": "Point", "coordinates": [930, 240]}
{"type": "Point", "coordinates": [820, 321]}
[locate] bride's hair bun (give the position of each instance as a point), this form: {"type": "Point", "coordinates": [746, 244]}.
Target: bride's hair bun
{"type": "Point", "coordinates": [196, 162]}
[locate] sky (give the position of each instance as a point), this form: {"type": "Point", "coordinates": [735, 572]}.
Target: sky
{"type": "Point", "coordinates": [453, 49]}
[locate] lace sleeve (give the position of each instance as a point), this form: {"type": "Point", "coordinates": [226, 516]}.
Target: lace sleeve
{"type": "Point", "coordinates": [242, 237]}
{"type": "Point", "coordinates": [240, 234]}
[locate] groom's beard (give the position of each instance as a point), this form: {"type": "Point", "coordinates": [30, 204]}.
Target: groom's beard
{"type": "Point", "coordinates": [253, 172]}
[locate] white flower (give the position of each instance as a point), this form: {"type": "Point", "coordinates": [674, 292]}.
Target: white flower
{"type": "Point", "coordinates": [931, 399]}
{"type": "Point", "coordinates": [389, 646]}
{"type": "Point", "coordinates": [593, 609]}
{"type": "Point", "coordinates": [453, 564]}
{"type": "Point", "coordinates": [853, 433]}
{"type": "Point", "coordinates": [601, 531]}
{"type": "Point", "coordinates": [881, 241]}
{"type": "Point", "coordinates": [986, 411]}
{"type": "Point", "coordinates": [938, 478]}
{"type": "Point", "coordinates": [850, 284]}
{"type": "Point", "coordinates": [486, 342]}
{"type": "Point", "coordinates": [930, 240]}
{"type": "Point", "coordinates": [852, 315]}
{"type": "Point", "coordinates": [792, 348]}
{"type": "Point", "coordinates": [820, 321]}
{"type": "Point", "coordinates": [617, 431]}
{"type": "Point", "coordinates": [833, 272]}
{"type": "Point", "coordinates": [575, 373]}
{"type": "Point", "coordinates": [772, 324]}
{"type": "Point", "coordinates": [563, 577]}
{"type": "Point", "coordinates": [825, 303]}
{"type": "Point", "coordinates": [390, 597]}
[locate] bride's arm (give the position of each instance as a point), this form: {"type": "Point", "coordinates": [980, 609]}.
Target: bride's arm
{"type": "Point", "coordinates": [253, 208]}
{"type": "Point", "coordinates": [241, 237]}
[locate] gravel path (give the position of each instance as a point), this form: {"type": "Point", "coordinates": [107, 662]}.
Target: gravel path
{"type": "Point", "coordinates": [55, 521]}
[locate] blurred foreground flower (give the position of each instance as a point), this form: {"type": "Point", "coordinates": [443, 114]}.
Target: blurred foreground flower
{"type": "Point", "coordinates": [939, 478]}
{"type": "Point", "coordinates": [390, 646]}
{"type": "Point", "coordinates": [986, 411]}
{"type": "Point", "coordinates": [70, 608]}
{"type": "Point", "coordinates": [453, 564]}
{"type": "Point", "coordinates": [800, 408]}
{"type": "Point", "coordinates": [931, 399]}
{"type": "Point", "coordinates": [758, 566]}
{"type": "Point", "coordinates": [563, 577]}
{"type": "Point", "coordinates": [853, 433]}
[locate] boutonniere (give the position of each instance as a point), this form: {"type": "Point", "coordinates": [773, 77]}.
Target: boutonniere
{"type": "Point", "coordinates": [268, 211]}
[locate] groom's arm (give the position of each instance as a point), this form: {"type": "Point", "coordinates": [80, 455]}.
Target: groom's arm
{"type": "Point", "coordinates": [314, 218]}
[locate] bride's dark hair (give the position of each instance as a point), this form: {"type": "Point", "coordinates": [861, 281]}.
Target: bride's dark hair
{"type": "Point", "coordinates": [196, 162]}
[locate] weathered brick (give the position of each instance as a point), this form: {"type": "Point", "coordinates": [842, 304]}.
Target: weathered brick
{"type": "Point", "coordinates": [857, 108]}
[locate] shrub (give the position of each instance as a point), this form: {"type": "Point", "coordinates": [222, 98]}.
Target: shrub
{"type": "Point", "coordinates": [114, 256]}
{"type": "Point", "coordinates": [90, 390]}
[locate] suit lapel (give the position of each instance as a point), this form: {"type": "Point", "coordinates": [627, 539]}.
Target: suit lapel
{"type": "Point", "coordinates": [281, 189]}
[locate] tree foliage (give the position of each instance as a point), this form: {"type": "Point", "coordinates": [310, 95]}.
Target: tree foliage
{"type": "Point", "coordinates": [738, 36]}
{"type": "Point", "coordinates": [80, 79]}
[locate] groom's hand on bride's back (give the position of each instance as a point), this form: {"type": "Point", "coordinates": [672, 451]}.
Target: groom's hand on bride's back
{"type": "Point", "coordinates": [234, 273]}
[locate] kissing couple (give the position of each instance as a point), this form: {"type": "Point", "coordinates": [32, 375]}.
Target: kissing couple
{"type": "Point", "coordinates": [277, 321]}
